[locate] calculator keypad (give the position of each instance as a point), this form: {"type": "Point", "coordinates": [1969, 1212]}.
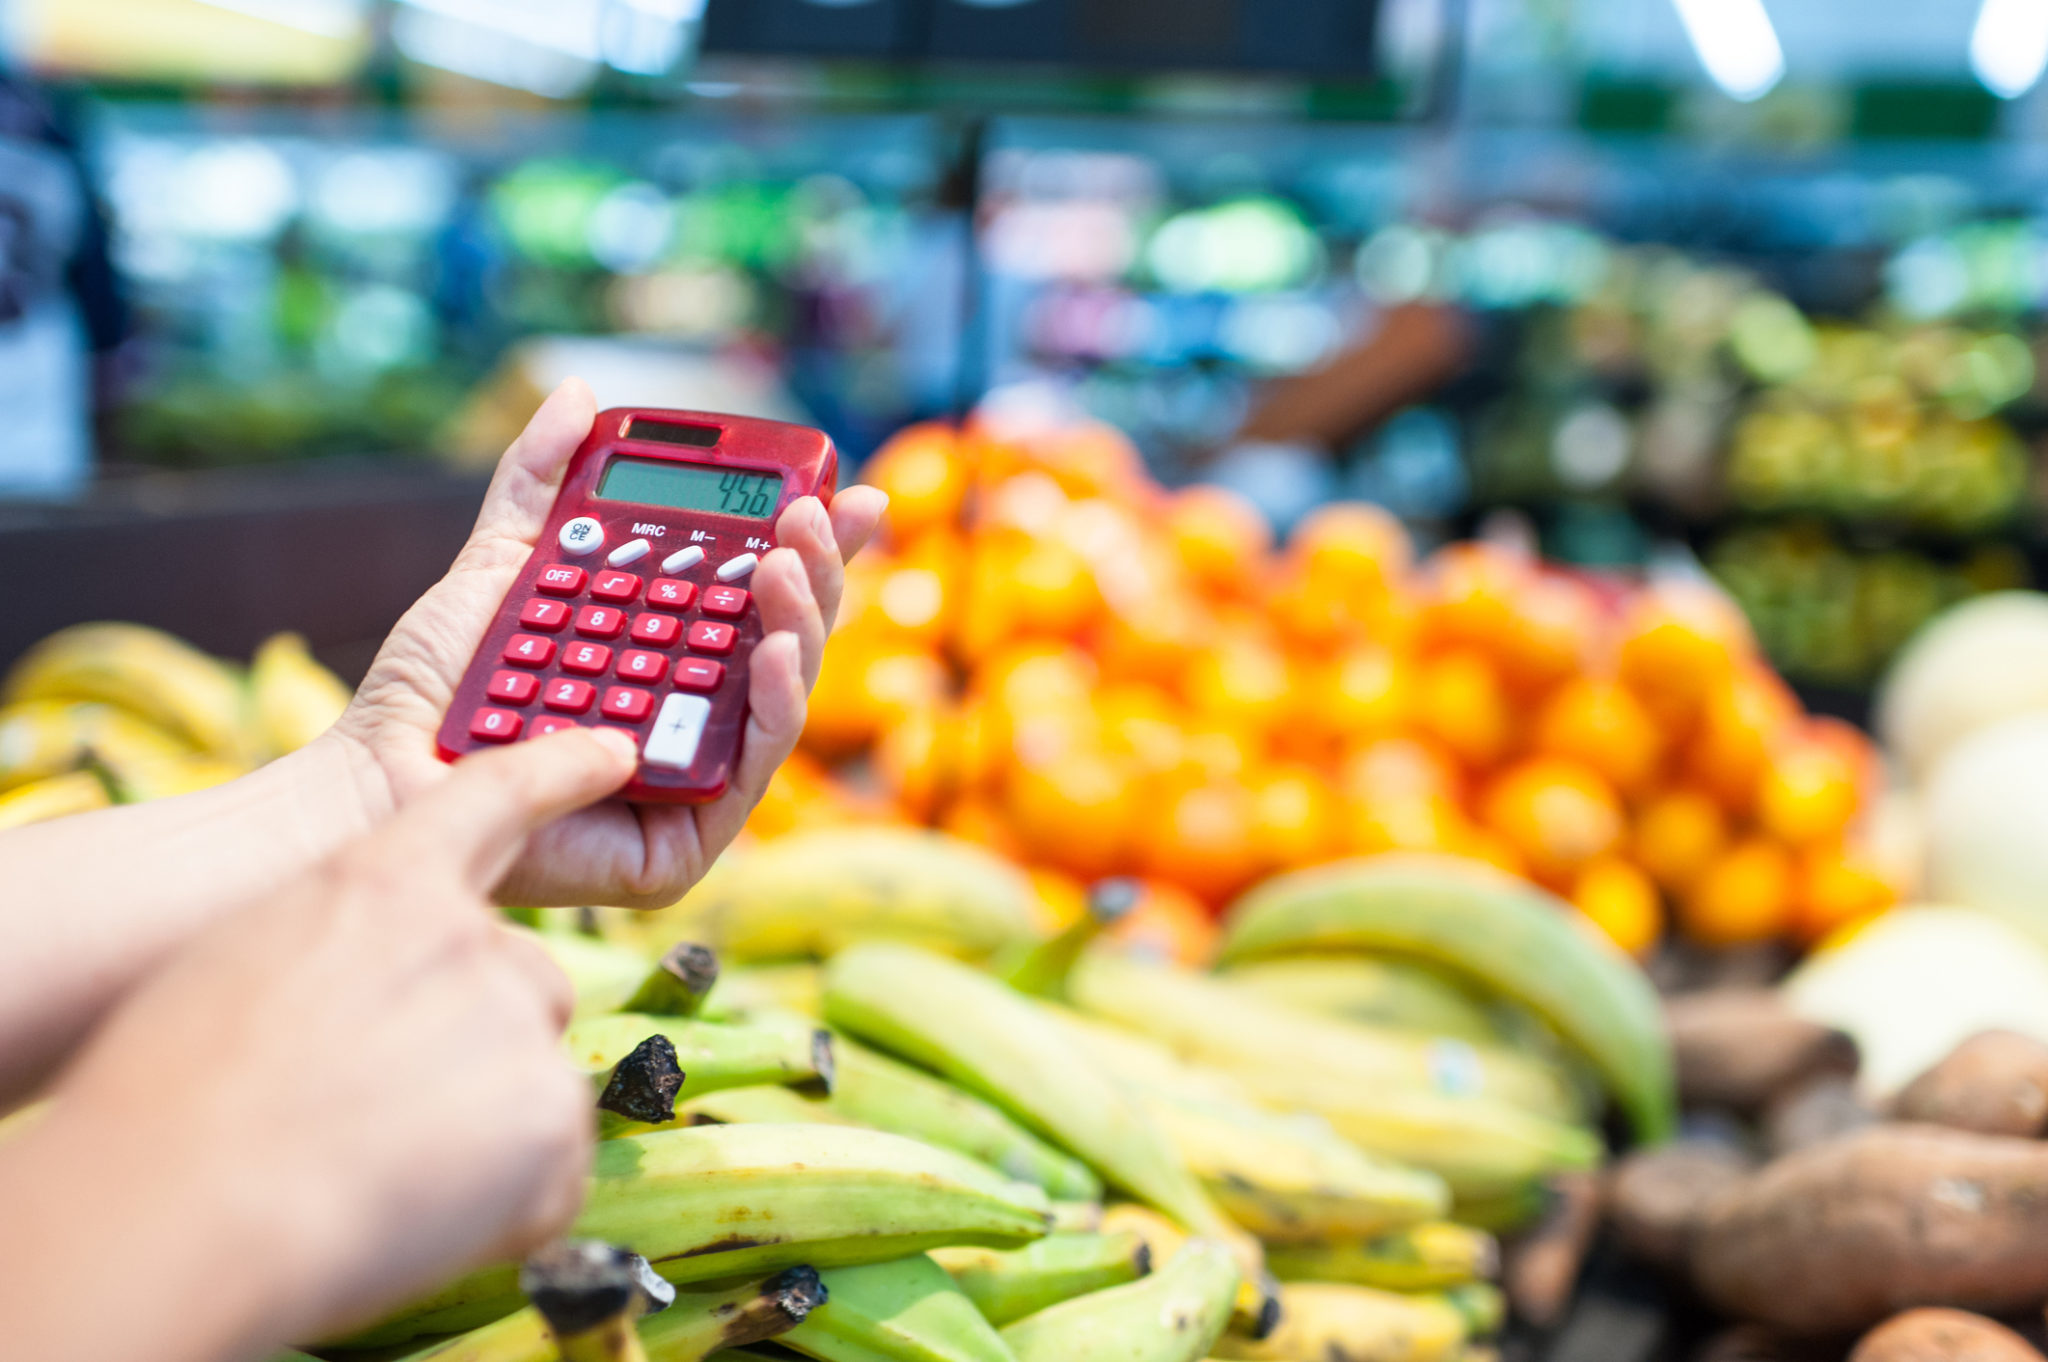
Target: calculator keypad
{"type": "Point", "coordinates": [600, 621]}
{"type": "Point", "coordinates": [529, 650]}
{"type": "Point", "coordinates": [587, 659]}
{"type": "Point", "coordinates": [627, 704]}
{"type": "Point", "coordinates": [619, 587]}
{"type": "Point", "coordinates": [494, 725]}
{"type": "Point", "coordinates": [669, 594]}
{"type": "Point", "coordinates": [709, 636]}
{"type": "Point", "coordinates": [513, 688]}
{"type": "Point", "coordinates": [637, 664]}
{"type": "Point", "coordinates": [725, 602]}
{"type": "Point", "coordinates": [661, 631]}
{"type": "Point", "coordinates": [545, 615]}
{"type": "Point", "coordinates": [567, 695]}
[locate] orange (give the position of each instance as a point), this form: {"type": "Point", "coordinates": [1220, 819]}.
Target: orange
{"type": "Point", "coordinates": [863, 690]}
{"type": "Point", "coordinates": [1220, 538]}
{"type": "Point", "coordinates": [797, 796]}
{"type": "Point", "coordinates": [1241, 682]}
{"type": "Point", "coordinates": [1398, 768]}
{"type": "Point", "coordinates": [1143, 723]}
{"type": "Point", "coordinates": [1094, 458]}
{"type": "Point", "coordinates": [1459, 702]}
{"type": "Point", "coordinates": [1559, 814]}
{"type": "Point", "coordinates": [1294, 816]}
{"type": "Point", "coordinates": [1315, 616]}
{"type": "Point", "coordinates": [1484, 844]}
{"type": "Point", "coordinates": [1743, 720]}
{"type": "Point", "coordinates": [1678, 835]}
{"type": "Point", "coordinates": [1556, 630]}
{"type": "Point", "coordinates": [1411, 823]}
{"type": "Point", "coordinates": [1837, 886]}
{"type": "Point", "coordinates": [1620, 900]}
{"type": "Point", "coordinates": [1680, 642]}
{"type": "Point", "coordinates": [1032, 676]}
{"type": "Point", "coordinates": [1352, 546]}
{"type": "Point", "coordinates": [1074, 811]}
{"type": "Point", "coordinates": [1200, 837]}
{"type": "Point", "coordinates": [1168, 924]}
{"type": "Point", "coordinates": [1471, 596]}
{"type": "Point", "coordinates": [1363, 692]}
{"type": "Point", "coordinates": [1051, 590]}
{"type": "Point", "coordinates": [977, 821]}
{"type": "Point", "coordinates": [918, 759]}
{"type": "Point", "coordinates": [1601, 724]}
{"type": "Point", "coordinates": [1217, 752]}
{"type": "Point", "coordinates": [1808, 793]}
{"type": "Point", "coordinates": [912, 596]}
{"type": "Point", "coordinates": [922, 470]}
{"type": "Point", "coordinates": [1155, 640]}
{"type": "Point", "coordinates": [1745, 896]}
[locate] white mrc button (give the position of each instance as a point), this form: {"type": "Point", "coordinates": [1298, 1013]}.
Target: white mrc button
{"type": "Point", "coordinates": [677, 731]}
{"type": "Point", "coordinates": [584, 534]}
{"type": "Point", "coordinates": [732, 569]}
{"type": "Point", "coordinates": [683, 558]}
{"type": "Point", "coordinates": [632, 551]}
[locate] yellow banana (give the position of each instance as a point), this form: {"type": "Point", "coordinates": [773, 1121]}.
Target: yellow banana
{"type": "Point", "coordinates": [144, 670]}
{"type": "Point", "coordinates": [295, 699]}
{"type": "Point", "coordinates": [1424, 1257]}
{"type": "Point", "coordinates": [43, 738]}
{"type": "Point", "coordinates": [1512, 938]}
{"type": "Point", "coordinates": [1399, 994]}
{"type": "Point", "coordinates": [797, 987]}
{"type": "Point", "coordinates": [57, 797]}
{"type": "Point", "coordinates": [1482, 1305]}
{"type": "Point", "coordinates": [1328, 1320]}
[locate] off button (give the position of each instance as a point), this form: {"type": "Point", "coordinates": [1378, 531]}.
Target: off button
{"type": "Point", "coordinates": [584, 534]}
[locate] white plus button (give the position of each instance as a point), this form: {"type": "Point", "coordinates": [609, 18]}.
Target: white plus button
{"type": "Point", "coordinates": [677, 731]}
{"type": "Point", "coordinates": [632, 551]}
{"type": "Point", "coordinates": [584, 534]}
{"type": "Point", "coordinates": [683, 558]}
{"type": "Point", "coordinates": [732, 569]}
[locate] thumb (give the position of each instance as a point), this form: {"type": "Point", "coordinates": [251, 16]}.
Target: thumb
{"type": "Point", "coordinates": [478, 818]}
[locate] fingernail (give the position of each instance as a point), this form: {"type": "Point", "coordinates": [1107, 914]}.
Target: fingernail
{"type": "Point", "coordinates": [621, 743]}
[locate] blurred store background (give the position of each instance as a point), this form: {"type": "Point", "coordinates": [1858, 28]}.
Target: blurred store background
{"type": "Point", "coordinates": [1750, 280]}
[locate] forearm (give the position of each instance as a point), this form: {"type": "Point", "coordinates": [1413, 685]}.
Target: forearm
{"type": "Point", "coordinates": [90, 903]}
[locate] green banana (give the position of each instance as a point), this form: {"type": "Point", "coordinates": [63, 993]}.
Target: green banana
{"type": "Point", "coordinates": [713, 1055]}
{"type": "Point", "coordinates": [878, 1091]}
{"type": "Point", "coordinates": [718, 1203]}
{"type": "Point", "coordinates": [1008, 1284]}
{"type": "Point", "coordinates": [766, 1105]}
{"type": "Point", "coordinates": [1425, 1257]}
{"type": "Point", "coordinates": [908, 1310]}
{"type": "Point", "coordinates": [1355, 1323]}
{"type": "Point", "coordinates": [602, 974]}
{"type": "Point", "coordinates": [1068, 1217]}
{"type": "Point", "coordinates": [1201, 1018]}
{"type": "Point", "coordinates": [797, 987]}
{"type": "Point", "coordinates": [1041, 967]}
{"type": "Point", "coordinates": [813, 894]}
{"type": "Point", "coordinates": [1399, 994]}
{"type": "Point", "coordinates": [1175, 1315]}
{"type": "Point", "coordinates": [1290, 1178]}
{"type": "Point", "coordinates": [1510, 937]}
{"type": "Point", "coordinates": [1482, 1305]}
{"type": "Point", "coordinates": [678, 983]}
{"type": "Point", "coordinates": [1506, 1209]}
{"type": "Point", "coordinates": [1480, 1147]}
{"type": "Point", "coordinates": [691, 1328]}
{"type": "Point", "coordinates": [591, 1295]}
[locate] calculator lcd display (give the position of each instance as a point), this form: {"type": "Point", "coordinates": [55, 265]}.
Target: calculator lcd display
{"type": "Point", "coordinates": [691, 487]}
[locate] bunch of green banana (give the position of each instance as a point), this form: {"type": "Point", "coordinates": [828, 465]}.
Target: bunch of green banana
{"type": "Point", "coordinates": [293, 698]}
{"type": "Point", "coordinates": [718, 1203]}
{"type": "Point", "coordinates": [1425, 1257]}
{"type": "Point", "coordinates": [813, 894]}
{"type": "Point", "coordinates": [1176, 1314]}
{"type": "Point", "coordinates": [145, 671]}
{"type": "Point", "coordinates": [713, 1055]}
{"type": "Point", "coordinates": [1399, 994]}
{"type": "Point", "coordinates": [1008, 1284]}
{"type": "Point", "coordinates": [1510, 937]}
{"type": "Point", "coordinates": [1206, 1020]}
{"type": "Point", "coordinates": [907, 1310]}
{"type": "Point", "coordinates": [1331, 1320]}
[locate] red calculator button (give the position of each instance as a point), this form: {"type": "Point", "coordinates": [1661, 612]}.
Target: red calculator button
{"type": "Point", "coordinates": [514, 688]}
{"type": "Point", "coordinates": [544, 614]}
{"type": "Point", "coordinates": [708, 636]}
{"type": "Point", "coordinates": [568, 695]}
{"type": "Point", "coordinates": [494, 725]}
{"type": "Point", "coordinates": [586, 659]}
{"type": "Point", "coordinates": [625, 703]}
{"type": "Point", "coordinates": [560, 580]}
{"type": "Point", "coordinates": [530, 650]}
{"type": "Point", "coordinates": [660, 630]}
{"type": "Point", "coordinates": [670, 594]}
{"type": "Point", "coordinates": [601, 621]}
{"type": "Point", "coordinates": [636, 665]}
{"type": "Point", "coordinates": [615, 586]}
{"type": "Point", "coordinates": [726, 602]}
{"type": "Point", "coordinates": [545, 724]}
{"type": "Point", "coordinates": [699, 674]}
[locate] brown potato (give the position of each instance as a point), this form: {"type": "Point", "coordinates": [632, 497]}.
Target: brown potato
{"type": "Point", "coordinates": [1541, 1269]}
{"type": "Point", "coordinates": [1740, 1047]}
{"type": "Point", "coordinates": [1995, 1083]}
{"type": "Point", "coordinates": [1655, 1197]}
{"type": "Point", "coordinates": [1937, 1335]}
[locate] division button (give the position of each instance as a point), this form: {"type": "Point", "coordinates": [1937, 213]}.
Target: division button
{"type": "Point", "coordinates": [632, 551]}
{"type": "Point", "coordinates": [678, 729]}
{"type": "Point", "coordinates": [726, 602]}
{"type": "Point", "coordinates": [683, 558]}
{"type": "Point", "coordinates": [584, 534]}
{"type": "Point", "coordinates": [732, 569]}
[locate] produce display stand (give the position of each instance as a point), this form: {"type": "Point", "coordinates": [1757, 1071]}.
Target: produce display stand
{"type": "Point", "coordinates": [336, 550]}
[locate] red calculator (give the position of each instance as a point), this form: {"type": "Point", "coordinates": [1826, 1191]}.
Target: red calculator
{"type": "Point", "coordinates": [634, 610]}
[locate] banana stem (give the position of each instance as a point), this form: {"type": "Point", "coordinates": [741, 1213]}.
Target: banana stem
{"type": "Point", "coordinates": [643, 1085]}
{"type": "Point", "coordinates": [592, 1295]}
{"type": "Point", "coordinates": [678, 984]}
{"type": "Point", "coordinates": [1041, 968]}
{"type": "Point", "coordinates": [700, 1325]}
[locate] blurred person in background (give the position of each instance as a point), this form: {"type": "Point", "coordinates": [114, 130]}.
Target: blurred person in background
{"type": "Point", "coordinates": [297, 1069]}
{"type": "Point", "coordinates": [61, 314]}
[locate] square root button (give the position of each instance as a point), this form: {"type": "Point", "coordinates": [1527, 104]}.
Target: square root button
{"type": "Point", "coordinates": [678, 729]}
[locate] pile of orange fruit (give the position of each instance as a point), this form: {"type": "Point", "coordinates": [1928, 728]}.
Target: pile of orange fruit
{"type": "Point", "coordinates": [1055, 656]}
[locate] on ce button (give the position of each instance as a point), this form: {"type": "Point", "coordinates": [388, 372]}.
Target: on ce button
{"type": "Point", "coordinates": [584, 534]}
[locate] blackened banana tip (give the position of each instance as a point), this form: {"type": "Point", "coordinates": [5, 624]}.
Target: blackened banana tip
{"type": "Point", "coordinates": [1142, 1260]}
{"type": "Point", "coordinates": [694, 965]}
{"type": "Point", "coordinates": [578, 1284]}
{"type": "Point", "coordinates": [644, 1084]}
{"type": "Point", "coordinates": [799, 1291]}
{"type": "Point", "coordinates": [823, 1060]}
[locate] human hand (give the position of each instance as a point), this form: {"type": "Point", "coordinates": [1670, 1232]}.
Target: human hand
{"type": "Point", "coordinates": [332, 1102]}
{"type": "Point", "coordinates": [636, 855]}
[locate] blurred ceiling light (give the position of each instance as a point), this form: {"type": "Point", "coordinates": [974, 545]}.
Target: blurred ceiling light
{"type": "Point", "coordinates": [2009, 46]}
{"type": "Point", "coordinates": [488, 53]}
{"type": "Point", "coordinates": [328, 18]}
{"type": "Point", "coordinates": [1736, 43]}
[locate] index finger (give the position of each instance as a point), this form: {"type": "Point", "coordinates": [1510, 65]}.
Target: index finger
{"type": "Point", "coordinates": [478, 819]}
